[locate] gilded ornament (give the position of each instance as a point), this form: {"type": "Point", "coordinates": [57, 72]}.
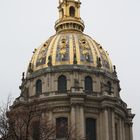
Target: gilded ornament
{"type": "Point", "coordinates": [62, 48]}
{"type": "Point", "coordinates": [85, 49]}
{"type": "Point", "coordinates": [41, 57]}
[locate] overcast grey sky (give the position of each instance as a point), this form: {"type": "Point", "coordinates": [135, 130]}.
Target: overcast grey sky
{"type": "Point", "coordinates": [115, 24]}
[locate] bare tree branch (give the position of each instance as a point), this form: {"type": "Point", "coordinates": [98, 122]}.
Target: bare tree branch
{"type": "Point", "coordinates": [26, 122]}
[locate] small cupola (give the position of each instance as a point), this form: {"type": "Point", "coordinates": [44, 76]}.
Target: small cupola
{"type": "Point", "coordinates": [69, 16]}
{"type": "Point", "coordinates": [69, 8]}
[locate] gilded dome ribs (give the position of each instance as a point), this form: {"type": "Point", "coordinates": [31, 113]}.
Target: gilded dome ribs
{"type": "Point", "coordinates": [74, 50]}
{"type": "Point", "coordinates": [70, 45]}
{"type": "Point", "coordinates": [71, 48]}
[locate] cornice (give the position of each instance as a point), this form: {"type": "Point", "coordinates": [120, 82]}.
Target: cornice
{"type": "Point", "coordinates": [72, 68]}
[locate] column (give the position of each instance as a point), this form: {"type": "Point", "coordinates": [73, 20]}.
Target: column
{"type": "Point", "coordinates": [78, 12]}
{"type": "Point", "coordinates": [127, 135]}
{"type": "Point", "coordinates": [82, 123]}
{"type": "Point", "coordinates": [101, 130]}
{"type": "Point", "coordinates": [123, 127]}
{"type": "Point", "coordinates": [131, 132]}
{"type": "Point", "coordinates": [120, 130]}
{"type": "Point", "coordinates": [73, 122]}
{"type": "Point", "coordinates": [113, 126]}
{"type": "Point", "coordinates": [106, 125]}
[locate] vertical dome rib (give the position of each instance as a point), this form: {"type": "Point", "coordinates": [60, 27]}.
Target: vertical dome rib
{"type": "Point", "coordinates": [65, 46]}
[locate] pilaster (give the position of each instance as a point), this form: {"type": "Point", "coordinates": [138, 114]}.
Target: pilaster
{"type": "Point", "coordinates": [131, 132]}
{"type": "Point", "coordinates": [82, 123]}
{"type": "Point", "coordinates": [123, 129]}
{"type": "Point", "coordinates": [120, 130]}
{"type": "Point", "coordinates": [106, 122]}
{"type": "Point", "coordinates": [73, 122]}
{"type": "Point", "coordinates": [113, 125]}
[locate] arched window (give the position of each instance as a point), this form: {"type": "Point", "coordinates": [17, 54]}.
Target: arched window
{"type": "Point", "coordinates": [88, 84]}
{"type": "Point", "coordinates": [90, 129]}
{"type": "Point", "coordinates": [109, 87]}
{"type": "Point", "coordinates": [72, 11]}
{"type": "Point", "coordinates": [62, 83]}
{"type": "Point", "coordinates": [61, 127]}
{"type": "Point", "coordinates": [38, 87]}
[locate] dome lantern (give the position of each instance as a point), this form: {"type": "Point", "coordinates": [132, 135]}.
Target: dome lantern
{"type": "Point", "coordinates": [69, 16]}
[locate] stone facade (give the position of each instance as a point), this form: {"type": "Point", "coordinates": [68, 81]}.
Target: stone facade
{"type": "Point", "coordinates": [109, 111]}
{"type": "Point", "coordinates": [90, 88]}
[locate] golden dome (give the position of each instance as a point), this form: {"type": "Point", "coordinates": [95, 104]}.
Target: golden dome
{"type": "Point", "coordinates": [70, 46]}
{"type": "Point", "coordinates": [68, 49]}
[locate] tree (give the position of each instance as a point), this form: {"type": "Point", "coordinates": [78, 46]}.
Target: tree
{"type": "Point", "coordinates": [16, 123]}
{"type": "Point", "coordinates": [4, 125]}
{"type": "Point", "coordinates": [25, 122]}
